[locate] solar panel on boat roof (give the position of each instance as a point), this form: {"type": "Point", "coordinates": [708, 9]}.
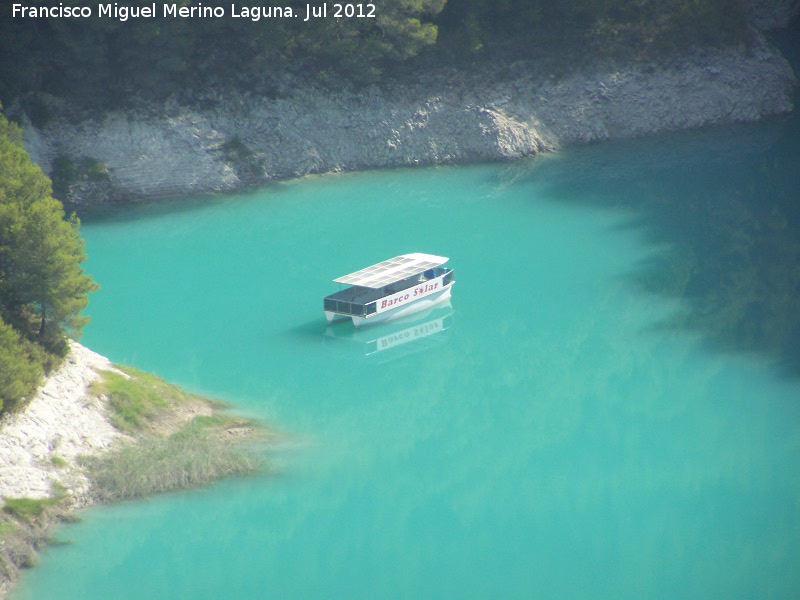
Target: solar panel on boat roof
{"type": "Point", "coordinates": [394, 269]}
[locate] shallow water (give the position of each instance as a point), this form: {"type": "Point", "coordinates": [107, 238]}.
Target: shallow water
{"type": "Point", "coordinates": [610, 407]}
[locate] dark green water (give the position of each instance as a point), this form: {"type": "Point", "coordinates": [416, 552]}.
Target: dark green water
{"type": "Point", "coordinates": [609, 409]}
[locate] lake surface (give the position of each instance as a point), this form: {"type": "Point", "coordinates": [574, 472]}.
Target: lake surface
{"type": "Point", "coordinates": [608, 408]}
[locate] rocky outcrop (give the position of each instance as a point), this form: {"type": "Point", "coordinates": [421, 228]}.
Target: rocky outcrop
{"type": "Point", "coordinates": [39, 446]}
{"type": "Point", "coordinates": [224, 142]}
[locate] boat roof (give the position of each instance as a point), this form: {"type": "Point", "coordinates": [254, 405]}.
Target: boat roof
{"type": "Point", "coordinates": [392, 270]}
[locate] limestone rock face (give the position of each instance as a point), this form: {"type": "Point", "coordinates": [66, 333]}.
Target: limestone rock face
{"type": "Point", "coordinates": [223, 142]}
{"type": "Point", "coordinates": [38, 446]}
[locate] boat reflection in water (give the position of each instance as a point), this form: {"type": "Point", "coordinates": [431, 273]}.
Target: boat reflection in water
{"type": "Point", "coordinates": [397, 337]}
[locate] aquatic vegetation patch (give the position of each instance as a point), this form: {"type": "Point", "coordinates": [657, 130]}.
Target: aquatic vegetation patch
{"type": "Point", "coordinates": [180, 439]}
{"type": "Point", "coordinates": [174, 440]}
{"type": "Point", "coordinates": [24, 527]}
{"type": "Point", "coordinates": [201, 452]}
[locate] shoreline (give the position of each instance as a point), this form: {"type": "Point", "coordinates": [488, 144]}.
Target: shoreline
{"type": "Point", "coordinates": [39, 446]}
{"type": "Point", "coordinates": [44, 450]}
{"type": "Point", "coordinates": [223, 142]}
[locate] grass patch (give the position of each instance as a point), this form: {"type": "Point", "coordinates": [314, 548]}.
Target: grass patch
{"type": "Point", "coordinates": [24, 525]}
{"type": "Point", "coordinates": [171, 452]}
{"type": "Point", "coordinates": [197, 454]}
{"type": "Point", "coordinates": [27, 509]}
{"type": "Point", "coordinates": [136, 397]}
{"type": "Point", "coordinates": [59, 462]}
{"type": "Point", "coordinates": [199, 451]}
{"type": "Point", "coordinates": [18, 545]}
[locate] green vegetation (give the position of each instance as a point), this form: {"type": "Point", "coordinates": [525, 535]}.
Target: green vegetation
{"type": "Point", "coordinates": [67, 172]}
{"type": "Point", "coordinates": [580, 29]}
{"type": "Point", "coordinates": [241, 158]}
{"type": "Point", "coordinates": [59, 462]}
{"type": "Point", "coordinates": [24, 525]}
{"type": "Point", "coordinates": [176, 440]}
{"type": "Point", "coordinates": [235, 150]}
{"type": "Point", "coordinates": [18, 546]}
{"type": "Point", "coordinates": [135, 398]}
{"type": "Point", "coordinates": [107, 61]}
{"type": "Point", "coordinates": [20, 366]}
{"type": "Point", "coordinates": [195, 455]}
{"type": "Point", "coordinates": [26, 509]}
{"type": "Point", "coordinates": [43, 288]}
{"type": "Point", "coordinates": [170, 453]}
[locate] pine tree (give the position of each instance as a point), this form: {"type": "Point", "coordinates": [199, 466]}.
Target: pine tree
{"type": "Point", "coordinates": [43, 288]}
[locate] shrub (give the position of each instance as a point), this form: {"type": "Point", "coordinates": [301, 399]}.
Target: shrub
{"type": "Point", "coordinates": [67, 172]}
{"type": "Point", "coordinates": [21, 369]}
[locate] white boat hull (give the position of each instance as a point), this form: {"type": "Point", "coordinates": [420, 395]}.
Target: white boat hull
{"type": "Point", "coordinates": [395, 313]}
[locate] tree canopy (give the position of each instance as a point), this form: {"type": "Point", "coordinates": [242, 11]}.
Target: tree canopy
{"type": "Point", "coordinates": [43, 288]}
{"type": "Point", "coordinates": [106, 60]}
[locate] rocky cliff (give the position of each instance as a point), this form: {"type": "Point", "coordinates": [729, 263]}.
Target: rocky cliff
{"type": "Point", "coordinates": [220, 142]}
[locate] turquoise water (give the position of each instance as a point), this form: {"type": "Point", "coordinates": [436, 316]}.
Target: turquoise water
{"type": "Point", "coordinates": [610, 407]}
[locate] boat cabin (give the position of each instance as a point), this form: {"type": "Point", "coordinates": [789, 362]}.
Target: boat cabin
{"type": "Point", "coordinates": [396, 287]}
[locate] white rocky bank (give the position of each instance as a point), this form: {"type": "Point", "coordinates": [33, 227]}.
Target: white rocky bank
{"type": "Point", "coordinates": [40, 445]}
{"type": "Point", "coordinates": [173, 150]}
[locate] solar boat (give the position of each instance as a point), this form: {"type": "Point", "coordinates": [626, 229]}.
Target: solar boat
{"type": "Point", "coordinates": [390, 289]}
